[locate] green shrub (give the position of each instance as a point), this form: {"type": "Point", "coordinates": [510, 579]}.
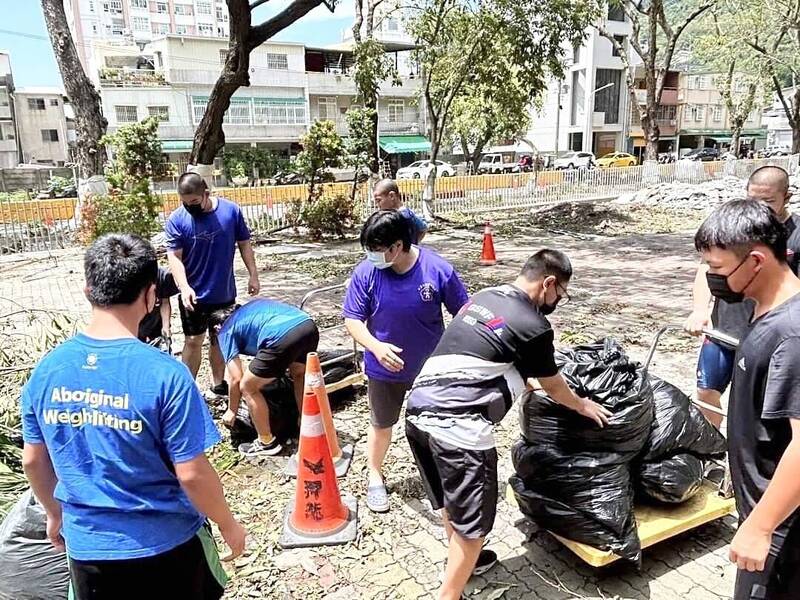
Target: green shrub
{"type": "Point", "coordinates": [134, 211]}
{"type": "Point", "coordinates": [327, 215]}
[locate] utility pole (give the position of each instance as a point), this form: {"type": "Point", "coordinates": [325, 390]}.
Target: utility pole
{"type": "Point", "coordinates": [558, 114]}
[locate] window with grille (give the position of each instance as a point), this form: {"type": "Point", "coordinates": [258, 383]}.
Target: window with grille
{"type": "Point", "coordinates": [113, 6]}
{"type": "Point", "coordinates": [277, 61]}
{"type": "Point", "coordinates": [161, 28]}
{"type": "Point", "coordinates": [36, 103]}
{"type": "Point", "coordinates": [199, 104]}
{"type": "Point", "coordinates": [395, 110]}
{"type": "Point", "coordinates": [717, 115]}
{"type": "Point", "coordinates": [162, 8]}
{"type": "Point", "coordinates": [54, 102]}
{"type": "Point", "coordinates": [392, 24]}
{"type": "Point", "coordinates": [126, 114]}
{"type": "Point", "coordinates": [222, 14]}
{"type": "Point", "coordinates": [698, 112]}
{"type": "Point", "coordinates": [162, 112]}
{"type": "Point", "coordinates": [49, 135]}
{"type": "Point", "coordinates": [239, 112]}
{"type": "Point", "coordinates": [183, 9]}
{"type": "Point", "coordinates": [181, 29]}
{"type": "Point", "coordinates": [223, 56]}
{"type": "Point", "coordinates": [205, 29]}
{"type": "Point", "coordinates": [141, 24]}
{"type": "Point", "coordinates": [616, 12]}
{"type": "Point", "coordinates": [278, 111]}
{"type": "Point", "coordinates": [139, 4]}
{"type": "Point", "coordinates": [327, 108]}
{"type": "Point", "coordinates": [203, 8]}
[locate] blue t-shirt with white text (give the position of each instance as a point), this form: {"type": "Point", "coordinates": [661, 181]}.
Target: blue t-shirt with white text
{"type": "Point", "coordinates": [404, 309]}
{"type": "Point", "coordinates": [416, 224]}
{"type": "Point", "coordinates": [208, 242]}
{"type": "Point", "coordinates": [258, 324]}
{"type": "Point", "coordinates": [116, 415]}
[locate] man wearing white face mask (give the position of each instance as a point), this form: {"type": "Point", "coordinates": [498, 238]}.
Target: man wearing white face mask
{"type": "Point", "coordinates": [393, 308]}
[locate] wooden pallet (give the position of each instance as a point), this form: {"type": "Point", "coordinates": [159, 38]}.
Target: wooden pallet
{"type": "Point", "coordinates": [658, 523]}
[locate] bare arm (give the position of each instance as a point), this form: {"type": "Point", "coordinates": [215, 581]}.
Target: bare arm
{"type": "Point", "coordinates": [249, 259]}
{"type": "Point", "coordinates": [234, 379]}
{"type": "Point", "coordinates": [751, 544]}
{"type": "Point", "coordinates": [387, 354]}
{"type": "Point", "coordinates": [559, 391]}
{"type": "Point", "coordinates": [166, 316]}
{"type": "Point", "coordinates": [701, 303]}
{"type": "Point", "coordinates": [202, 485]}
{"type": "Point", "coordinates": [39, 471]}
{"type": "Point", "coordinates": [175, 259]}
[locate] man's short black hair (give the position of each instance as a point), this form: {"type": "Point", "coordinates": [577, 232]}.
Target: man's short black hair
{"type": "Point", "coordinates": [217, 318]}
{"type": "Point", "coordinates": [547, 262]}
{"type": "Point", "coordinates": [739, 225]}
{"type": "Point", "coordinates": [191, 184]}
{"type": "Point", "coordinates": [118, 266]}
{"type": "Point", "coordinates": [384, 228]}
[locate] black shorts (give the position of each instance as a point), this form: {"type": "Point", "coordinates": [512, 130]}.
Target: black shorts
{"type": "Point", "coordinates": [385, 401]}
{"type": "Point", "coordinates": [191, 570]}
{"type": "Point", "coordinates": [780, 579]}
{"type": "Point", "coordinates": [195, 322]}
{"type": "Point", "coordinates": [273, 361]}
{"type": "Point", "coordinates": [463, 482]}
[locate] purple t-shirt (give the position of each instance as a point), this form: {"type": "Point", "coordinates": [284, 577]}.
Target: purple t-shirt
{"type": "Point", "coordinates": [404, 310]}
{"type": "Point", "coordinates": [208, 242]}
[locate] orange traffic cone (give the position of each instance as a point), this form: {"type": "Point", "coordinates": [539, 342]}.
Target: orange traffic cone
{"type": "Point", "coordinates": [487, 252]}
{"type": "Point", "coordinates": [314, 381]}
{"type": "Point", "coordinates": [318, 516]}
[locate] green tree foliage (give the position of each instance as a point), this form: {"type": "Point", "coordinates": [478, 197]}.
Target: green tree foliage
{"type": "Point", "coordinates": [358, 144]}
{"type": "Point", "coordinates": [484, 64]}
{"type": "Point", "coordinates": [130, 206]}
{"type": "Point", "coordinates": [246, 161]}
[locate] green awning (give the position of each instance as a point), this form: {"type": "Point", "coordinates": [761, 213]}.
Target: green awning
{"type": "Point", "coordinates": [176, 145]}
{"type": "Point", "coordinates": [404, 144]}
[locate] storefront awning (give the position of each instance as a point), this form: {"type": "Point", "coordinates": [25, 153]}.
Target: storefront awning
{"type": "Point", "coordinates": [404, 144]}
{"type": "Point", "coordinates": [176, 145]}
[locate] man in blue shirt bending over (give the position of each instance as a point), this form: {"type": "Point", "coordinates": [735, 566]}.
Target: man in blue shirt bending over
{"type": "Point", "coordinates": [278, 336]}
{"type": "Point", "coordinates": [202, 236]}
{"type": "Point", "coordinates": [115, 437]}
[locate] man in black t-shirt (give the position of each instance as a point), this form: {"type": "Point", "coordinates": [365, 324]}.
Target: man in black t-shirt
{"type": "Point", "coordinates": [498, 340]}
{"type": "Point", "coordinates": [156, 324]}
{"type": "Point", "coordinates": [744, 244]}
{"type": "Point", "coordinates": [770, 185]}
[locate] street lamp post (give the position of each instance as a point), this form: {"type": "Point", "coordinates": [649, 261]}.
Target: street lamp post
{"type": "Point", "coordinates": [590, 110]}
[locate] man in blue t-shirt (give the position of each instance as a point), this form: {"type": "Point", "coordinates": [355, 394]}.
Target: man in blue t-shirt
{"type": "Point", "coordinates": [279, 337]}
{"type": "Point", "coordinates": [202, 236]}
{"type": "Point", "coordinates": [387, 197]}
{"type": "Point", "coordinates": [115, 436]}
{"type": "Point", "coordinates": [393, 307]}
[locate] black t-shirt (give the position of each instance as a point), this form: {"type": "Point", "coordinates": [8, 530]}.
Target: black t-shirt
{"type": "Point", "coordinates": [150, 326]}
{"type": "Point", "coordinates": [765, 395]}
{"type": "Point", "coordinates": [793, 244]}
{"type": "Point", "coordinates": [497, 341]}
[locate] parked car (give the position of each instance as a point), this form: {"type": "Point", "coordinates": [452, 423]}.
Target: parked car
{"type": "Point", "coordinates": [421, 168]}
{"type": "Point", "coordinates": [575, 160]}
{"type": "Point", "coordinates": [703, 154]}
{"type": "Point", "coordinates": [495, 163]}
{"type": "Point", "coordinates": [286, 178]}
{"type": "Point", "coordinates": [617, 159]}
{"type": "Point", "coordinates": [774, 151]}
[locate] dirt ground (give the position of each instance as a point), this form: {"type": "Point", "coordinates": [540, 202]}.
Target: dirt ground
{"type": "Point", "coordinates": [633, 272]}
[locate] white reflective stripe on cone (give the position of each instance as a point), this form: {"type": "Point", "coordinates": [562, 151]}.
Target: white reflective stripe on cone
{"type": "Point", "coordinates": [311, 426]}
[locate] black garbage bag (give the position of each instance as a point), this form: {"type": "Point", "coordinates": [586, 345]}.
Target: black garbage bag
{"type": "Point", "coordinates": [31, 568]}
{"type": "Point", "coordinates": [585, 497]}
{"type": "Point", "coordinates": [283, 413]}
{"type": "Point", "coordinates": [602, 372]}
{"type": "Point", "coordinates": [671, 480]}
{"type": "Point", "coordinates": [679, 426]}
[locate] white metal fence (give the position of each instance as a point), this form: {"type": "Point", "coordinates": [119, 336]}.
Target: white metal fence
{"type": "Point", "coordinates": [28, 225]}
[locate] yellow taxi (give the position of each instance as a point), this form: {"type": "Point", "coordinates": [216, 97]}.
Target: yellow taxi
{"type": "Point", "coordinates": [617, 159]}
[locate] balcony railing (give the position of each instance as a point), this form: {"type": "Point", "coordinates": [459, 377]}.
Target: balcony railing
{"type": "Point", "coordinates": [131, 78]}
{"type": "Point", "coordinates": [410, 127]}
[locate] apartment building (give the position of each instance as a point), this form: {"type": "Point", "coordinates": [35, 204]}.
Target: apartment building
{"type": "Point", "coordinates": [587, 109]}
{"type": "Point", "coordinates": [703, 118]}
{"type": "Point", "coordinates": [9, 144]}
{"type": "Point", "coordinates": [42, 126]}
{"type": "Point", "coordinates": [291, 86]}
{"type": "Point", "coordinates": [140, 21]}
{"type": "Point", "coordinates": [666, 115]}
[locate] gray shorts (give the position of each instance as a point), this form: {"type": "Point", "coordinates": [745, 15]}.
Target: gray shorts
{"type": "Point", "coordinates": [385, 401]}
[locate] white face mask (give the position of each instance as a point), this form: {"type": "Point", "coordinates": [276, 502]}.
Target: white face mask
{"type": "Point", "coordinates": [378, 259]}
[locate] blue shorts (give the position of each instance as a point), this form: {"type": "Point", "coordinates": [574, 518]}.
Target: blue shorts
{"type": "Point", "coordinates": [714, 367]}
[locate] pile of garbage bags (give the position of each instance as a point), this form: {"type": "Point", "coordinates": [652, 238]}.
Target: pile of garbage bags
{"type": "Point", "coordinates": [579, 480]}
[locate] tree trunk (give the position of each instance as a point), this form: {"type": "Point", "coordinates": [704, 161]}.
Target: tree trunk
{"type": "Point", "coordinates": [90, 125]}
{"type": "Point", "coordinates": [429, 193]}
{"type": "Point", "coordinates": [736, 134]}
{"type": "Point", "coordinates": [795, 137]}
{"type": "Point", "coordinates": [651, 135]}
{"type": "Point", "coordinates": [372, 101]}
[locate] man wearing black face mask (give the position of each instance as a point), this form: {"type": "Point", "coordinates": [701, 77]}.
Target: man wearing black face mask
{"type": "Point", "coordinates": [202, 236]}
{"type": "Point", "coordinates": [744, 244]}
{"type": "Point", "coordinates": [498, 341]}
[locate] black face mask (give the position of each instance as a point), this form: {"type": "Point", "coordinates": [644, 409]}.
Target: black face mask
{"type": "Point", "coordinates": [547, 309]}
{"type": "Point", "coordinates": [721, 289]}
{"type": "Point", "coordinates": [194, 209]}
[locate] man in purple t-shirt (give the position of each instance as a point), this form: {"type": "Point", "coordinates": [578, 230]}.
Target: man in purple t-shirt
{"type": "Point", "coordinates": [202, 236]}
{"type": "Point", "coordinates": [393, 308]}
